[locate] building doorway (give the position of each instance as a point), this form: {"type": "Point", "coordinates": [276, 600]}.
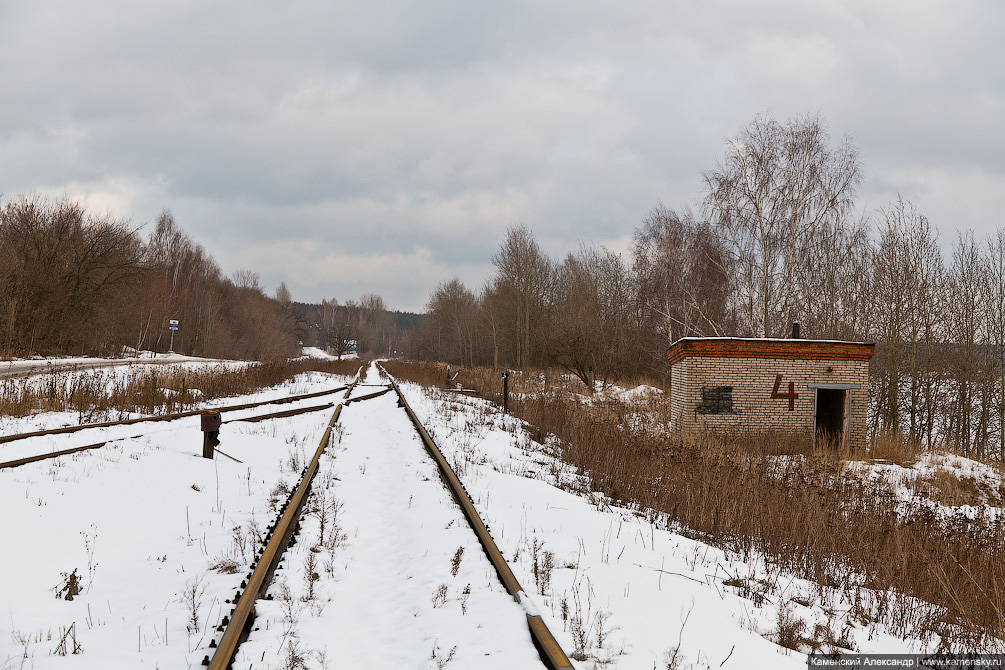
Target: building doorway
{"type": "Point", "coordinates": [831, 416]}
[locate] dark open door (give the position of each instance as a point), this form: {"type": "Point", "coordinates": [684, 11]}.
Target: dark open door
{"type": "Point", "coordinates": [831, 413]}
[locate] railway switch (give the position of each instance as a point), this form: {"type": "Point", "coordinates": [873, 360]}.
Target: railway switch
{"type": "Point", "coordinates": [211, 423]}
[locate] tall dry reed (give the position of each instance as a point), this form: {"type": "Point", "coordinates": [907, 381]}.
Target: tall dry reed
{"type": "Point", "coordinates": [803, 510]}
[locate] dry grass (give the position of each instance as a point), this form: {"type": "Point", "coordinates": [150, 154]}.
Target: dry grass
{"type": "Point", "coordinates": [486, 381]}
{"type": "Point", "coordinates": [805, 512]}
{"type": "Point", "coordinates": [949, 488]}
{"type": "Point", "coordinates": [427, 374]}
{"type": "Point", "coordinates": [895, 448]}
{"type": "Point", "coordinates": [800, 508]}
{"type": "Point", "coordinates": [790, 627]}
{"type": "Point", "coordinates": [98, 394]}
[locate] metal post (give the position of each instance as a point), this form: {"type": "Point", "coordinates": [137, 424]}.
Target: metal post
{"type": "Point", "coordinates": [172, 326]}
{"type": "Point", "coordinates": [505, 377]}
{"type": "Point", "coordinates": [211, 423]}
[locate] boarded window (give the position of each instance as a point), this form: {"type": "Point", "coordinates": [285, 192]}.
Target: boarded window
{"type": "Point", "coordinates": [716, 400]}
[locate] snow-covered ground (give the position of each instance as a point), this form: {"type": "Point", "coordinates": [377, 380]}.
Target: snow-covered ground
{"type": "Point", "coordinates": [403, 582]}
{"type": "Point", "coordinates": [22, 367]}
{"type": "Point", "coordinates": [621, 592]}
{"type": "Point", "coordinates": [111, 377]}
{"type": "Point", "coordinates": [316, 352]}
{"type": "Point", "coordinates": [138, 522]}
{"type": "Point", "coordinates": [916, 485]}
{"type": "Point", "coordinates": [159, 538]}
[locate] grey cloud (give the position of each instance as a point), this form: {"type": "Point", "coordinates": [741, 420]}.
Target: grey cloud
{"type": "Point", "coordinates": [407, 135]}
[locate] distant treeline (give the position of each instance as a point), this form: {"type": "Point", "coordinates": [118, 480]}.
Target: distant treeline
{"type": "Point", "coordinates": [365, 326]}
{"type": "Point", "coordinates": [776, 240]}
{"type": "Point", "coordinates": [75, 283]}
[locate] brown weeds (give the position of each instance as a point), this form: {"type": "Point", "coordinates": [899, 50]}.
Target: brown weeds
{"type": "Point", "coordinates": [895, 448]}
{"type": "Point", "coordinates": [97, 394]}
{"type": "Point", "coordinates": [427, 374]}
{"type": "Point", "coordinates": [949, 488]}
{"type": "Point", "coordinates": [799, 507]}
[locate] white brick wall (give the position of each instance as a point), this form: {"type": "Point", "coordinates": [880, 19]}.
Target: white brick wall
{"type": "Point", "coordinates": [753, 380]}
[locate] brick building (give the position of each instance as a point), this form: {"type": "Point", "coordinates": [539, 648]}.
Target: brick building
{"type": "Point", "coordinates": [795, 385]}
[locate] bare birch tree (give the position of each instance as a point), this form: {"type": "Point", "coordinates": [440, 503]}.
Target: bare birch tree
{"type": "Point", "coordinates": [834, 282]}
{"type": "Point", "coordinates": [453, 334]}
{"type": "Point", "coordinates": [995, 300]}
{"type": "Point", "coordinates": [776, 186]}
{"type": "Point", "coordinates": [965, 315]}
{"type": "Point", "coordinates": [908, 279]}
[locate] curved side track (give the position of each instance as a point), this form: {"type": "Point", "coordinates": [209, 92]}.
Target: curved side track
{"type": "Point", "coordinates": [262, 417]}
{"type": "Point", "coordinates": [551, 653]}
{"type": "Point", "coordinates": [235, 628]}
{"type": "Point", "coordinates": [165, 417]}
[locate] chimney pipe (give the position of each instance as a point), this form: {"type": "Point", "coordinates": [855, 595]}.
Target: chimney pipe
{"type": "Point", "coordinates": [795, 330]}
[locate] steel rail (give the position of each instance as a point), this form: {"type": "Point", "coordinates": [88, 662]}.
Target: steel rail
{"type": "Point", "coordinates": [236, 626]}
{"type": "Point", "coordinates": [249, 419]}
{"type": "Point", "coordinates": [280, 415]}
{"type": "Point", "coordinates": [165, 417]}
{"type": "Point", "coordinates": [551, 652]}
{"type": "Point", "coordinates": [52, 454]}
{"type": "Point", "coordinates": [368, 396]}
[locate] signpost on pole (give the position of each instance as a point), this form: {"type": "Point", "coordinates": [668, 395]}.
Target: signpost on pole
{"type": "Point", "coordinates": [172, 326]}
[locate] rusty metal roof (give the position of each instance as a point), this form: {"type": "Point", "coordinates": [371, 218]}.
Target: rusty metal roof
{"type": "Point", "coordinates": [790, 349]}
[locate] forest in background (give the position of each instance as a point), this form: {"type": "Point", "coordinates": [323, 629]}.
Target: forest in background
{"type": "Point", "coordinates": [776, 239]}
{"type": "Point", "coordinates": [72, 283]}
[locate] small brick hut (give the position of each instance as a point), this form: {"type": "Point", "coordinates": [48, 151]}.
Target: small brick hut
{"type": "Point", "coordinates": [795, 385]}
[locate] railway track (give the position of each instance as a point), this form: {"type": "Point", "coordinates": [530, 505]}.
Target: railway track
{"type": "Point", "coordinates": [278, 536]}
{"type": "Point", "coordinates": [224, 410]}
{"type": "Point", "coordinates": [164, 417]}
{"type": "Point", "coordinates": [377, 565]}
{"type": "Point", "coordinates": [408, 450]}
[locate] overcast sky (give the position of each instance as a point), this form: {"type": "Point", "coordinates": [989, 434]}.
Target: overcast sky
{"type": "Point", "coordinates": [358, 147]}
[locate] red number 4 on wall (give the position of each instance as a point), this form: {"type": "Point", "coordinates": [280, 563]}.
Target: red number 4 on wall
{"type": "Point", "coordinates": [790, 396]}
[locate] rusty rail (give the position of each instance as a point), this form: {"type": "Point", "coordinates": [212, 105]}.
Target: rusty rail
{"type": "Point", "coordinates": [283, 414]}
{"type": "Point", "coordinates": [236, 626]}
{"type": "Point", "coordinates": [52, 454]}
{"type": "Point", "coordinates": [369, 395]}
{"type": "Point", "coordinates": [547, 646]}
{"type": "Point", "coordinates": [165, 417]}
{"type": "Point", "coordinates": [63, 452]}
